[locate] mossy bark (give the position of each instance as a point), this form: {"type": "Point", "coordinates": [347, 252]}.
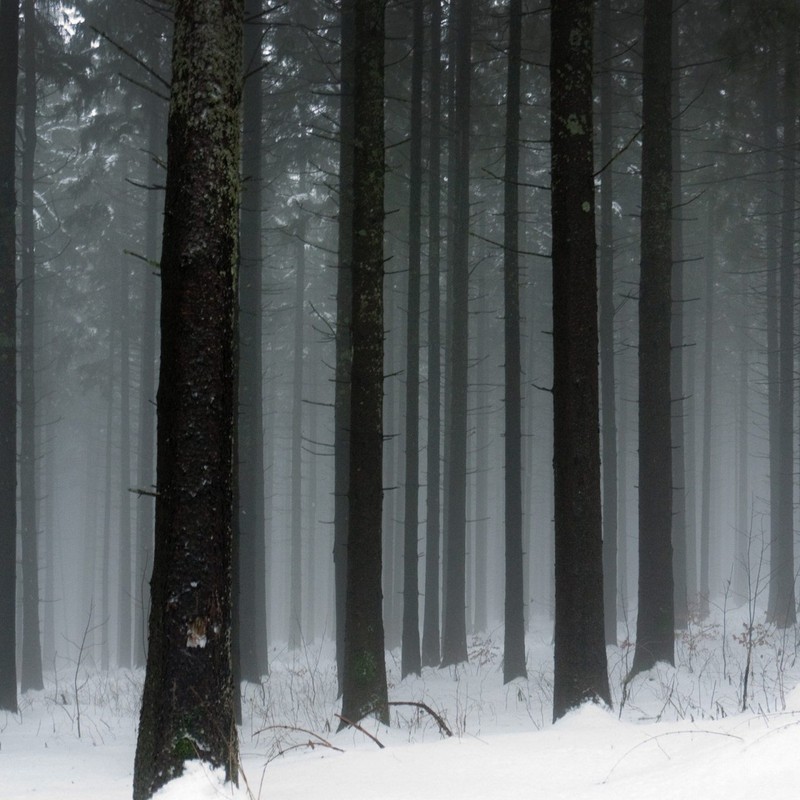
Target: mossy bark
{"type": "Point", "coordinates": [188, 702]}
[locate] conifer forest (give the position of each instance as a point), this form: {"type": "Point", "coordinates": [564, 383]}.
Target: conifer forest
{"type": "Point", "coordinates": [418, 334]}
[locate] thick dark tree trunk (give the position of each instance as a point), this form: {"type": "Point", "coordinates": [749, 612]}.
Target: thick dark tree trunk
{"type": "Point", "coordinates": [608, 404]}
{"type": "Point", "coordinates": [364, 689]}
{"type": "Point", "coordinates": [252, 600]}
{"type": "Point", "coordinates": [454, 633]}
{"type": "Point", "coordinates": [31, 670]}
{"type": "Point", "coordinates": [514, 642]}
{"type": "Point", "coordinates": [188, 702]}
{"type": "Point", "coordinates": [9, 44]}
{"type": "Point", "coordinates": [655, 627]}
{"type": "Point", "coordinates": [344, 353]}
{"type": "Point", "coordinates": [580, 654]}
{"type": "Point", "coordinates": [410, 661]}
{"type": "Point", "coordinates": [782, 605]}
{"type": "Point", "coordinates": [430, 622]}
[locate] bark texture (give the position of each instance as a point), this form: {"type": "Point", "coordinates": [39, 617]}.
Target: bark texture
{"type": "Point", "coordinates": [580, 655]}
{"type": "Point", "coordinates": [364, 689]}
{"type": "Point", "coordinates": [655, 638]}
{"type": "Point", "coordinates": [188, 702]}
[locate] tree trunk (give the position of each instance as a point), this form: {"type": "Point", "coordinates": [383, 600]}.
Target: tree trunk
{"type": "Point", "coordinates": [580, 654]}
{"type": "Point", "coordinates": [344, 354]}
{"type": "Point", "coordinates": [410, 660]}
{"type": "Point", "coordinates": [124, 587]}
{"type": "Point", "coordinates": [364, 689]}
{"type": "Point", "coordinates": [454, 634]}
{"type": "Point", "coordinates": [31, 670]}
{"type": "Point", "coordinates": [608, 404]}
{"type": "Point", "coordinates": [430, 623]}
{"type": "Point", "coordinates": [655, 626]}
{"type": "Point", "coordinates": [145, 464]}
{"type": "Point", "coordinates": [676, 334]}
{"type": "Point", "coordinates": [708, 411]}
{"type": "Point", "coordinates": [188, 701]}
{"type": "Point", "coordinates": [252, 636]}
{"type": "Point", "coordinates": [296, 577]}
{"type": "Point", "coordinates": [782, 604]}
{"type": "Point", "coordinates": [9, 43]}
{"type": "Point", "coordinates": [514, 641]}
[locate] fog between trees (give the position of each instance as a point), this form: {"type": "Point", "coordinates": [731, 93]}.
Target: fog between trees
{"type": "Point", "coordinates": [90, 172]}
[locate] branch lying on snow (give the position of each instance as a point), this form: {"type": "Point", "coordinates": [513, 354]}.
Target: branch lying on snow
{"type": "Point", "coordinates": [309, 743]}
{"type": "Point", "coordinates": [359, 728]}
{"type": "Point", "coordinates": [425, 707]}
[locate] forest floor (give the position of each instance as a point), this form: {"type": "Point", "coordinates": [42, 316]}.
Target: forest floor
{"type": "Point", "coordinates": [680, 732]}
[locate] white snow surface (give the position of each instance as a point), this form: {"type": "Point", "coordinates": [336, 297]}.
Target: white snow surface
{"type": "Point", "coordinates": [679, 734]}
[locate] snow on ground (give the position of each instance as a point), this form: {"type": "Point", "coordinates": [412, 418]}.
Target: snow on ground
{"type": "Point", "coordinates": [680, 732]}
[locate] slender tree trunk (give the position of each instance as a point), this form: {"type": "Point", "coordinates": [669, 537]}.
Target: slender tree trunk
{"type": "Point", "coordinates": [31, 670]}
{"type": "Point", "coordinates": [514, 641]}
{"type": "Point", "coordinates": [430, 623]}
{"type": "Point", "coordinates": [296, 582]}
{"type": "Point", "coordinates": [782, 606]}
{"type": "Point", "coordinates": [344, 353]}
{"type": "Point", "coordinates": [252, 623]}
{"type": "Point", "coordinates": [105, 554]}
{"type": "Point", "coordinates": [411, 660]}
{"type": "Point", "coordinates": [145, 464]}
{"type": "Point", "coordinates": [655, 626]}
{"type": "Point", "coordinates": [364, 689]}
{"type": "Point", "coordinates": [580, 654]}
{"type": "Point", "coordinates": [608, 405]}
{"type": "Point", "coordinates": [770, 116]}
{"type": "Point", "coordinates": [124, 587]}
{"type": "Point", "coordinates": [188, 700]}
{"type": "Point", "coordinates": [708, 411]}
{"type": "Point", "coordinates": [9, 43]}
{"type": "Point", "coordinates": [741, 566]}
{"type": "Point", "coordinates": [454, 634]}
{"type": "Point", "coordinates": [676, 334]}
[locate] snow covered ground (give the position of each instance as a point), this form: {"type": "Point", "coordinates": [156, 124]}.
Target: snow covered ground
{"type": "Point", "coordinates": [679, 733]}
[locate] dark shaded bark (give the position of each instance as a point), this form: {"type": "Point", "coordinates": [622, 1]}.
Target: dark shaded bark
{"type": "Point", "coordinates": [514, 641]}
{"type": "Point", "coordinates": [608, 401]}
{"type": "Point", "coordinates": [430, 622]}
{"type": "Point", "coordinates": [364, 689]}
{"type": "Point", "coordinates": [704, 566]}
{"type": "Point", "coordinates": [252, 628]}
{"type": "Point", "coordinates": [188, 701]}
{"type": "Point", "coordinates": [655, 625]}
{"type": "Point", "coordinates": [679, 571]}
{"type": "Point", "coordinates": [410, 659]}
{"type": "Point", "coordinates": [9, 44]}
{"type": "Point", "coordinates": [344, 355]}
{"type": "Point", "coordinates": [782, 604]}
{"type": "Point", "coordinates": [580, 654]}
{"type": "Point", "coordinates": [31, 667]}
{"type": "Point", "coordinates": [454, 630]}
